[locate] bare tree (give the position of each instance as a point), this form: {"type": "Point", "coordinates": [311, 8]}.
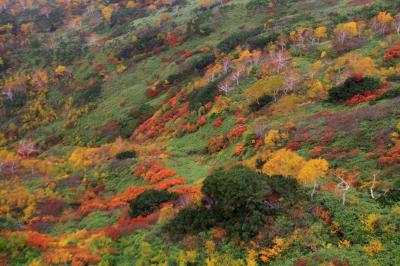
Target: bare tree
{"type": "Point", "coordinates": [344, 186]}
{"type": "Point", "coordinates": [371, 189]}
{"type": "Point", "coordinates": [224, 86]}
{"type": "Point", "coordinates": [226, 64]}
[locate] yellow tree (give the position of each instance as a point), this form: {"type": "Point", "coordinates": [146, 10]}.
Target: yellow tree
{"type": "Point", "coordinates": [312, 171]}
{"type": "Point", "coordinates": [271, 86]}
{"type": "Point", "coordinates": [320, 33]}
{"type": "Point", "coordinates": [382, 21]}
{"type": "Point", "coordinates": [346, 30]}
{"type": "Point", "coordinates": [107, 13]}
{"type": "Point", "coordinates": [205, 3]}
{"type": "Point", "coordinates": [285, 163]}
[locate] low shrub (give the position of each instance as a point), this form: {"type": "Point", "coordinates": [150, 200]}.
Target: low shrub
{"type": "Point", "coordinates": [263, 101]}
{"type": "Point", "coordinates": [149, 201]}
{"type": "Point", "coordinates": [393, 93]}
{"type": "Point", "coordinates": [353, 86]}
{"type": "Point", "coordinates": [126, 155]}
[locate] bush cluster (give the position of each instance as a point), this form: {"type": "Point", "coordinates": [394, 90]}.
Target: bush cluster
{"type": "Point", "coordinates": [149, 201]}
{"type": "Point", "coordinates": [351, 87]}
{"type": "Point", "coordinates": [237, 200]}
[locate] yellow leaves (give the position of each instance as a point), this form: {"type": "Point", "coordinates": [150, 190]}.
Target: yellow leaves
{"type": "Point", "coordinates": [6, 27]}
{"type": "Point", "coordinates": [134, 39]}
{"type": "Point", "coordinates": [374, 247]}
{"type": "Point", "coordinates": [107, 13]}
{"type": "Point", "coordinates": [245, 55]}
{"type": "Point", "coordinates": [320, 32]}
{"type": "Point", "coordinates": [251, 259]}
{"type": "Point", "coordinates": [312, 170]}
{"type": "Point", "coordinates": [121, 69]}
{"type": "Point", "coordinates": [384, 17]}
{"type": "Point", "coordinates": [317, 90]}
{"type": "Point", "coordinates": [130, 4]}
{"type": "Point", "coordinates": [88, 157]}
{"type": "Point", "coordinates": [284, 162]}
{"type": "Point", "coordinates": [349, 28]}
{"type": "Point", "coordinates": [354, 62]}
{"type": "Point", "coordinates": [267, 255]}
{"type": "Point", "coordinates": [371, 222]}
{"type": "Point", "coordinates": [273, 138]}
{"type": "Point", "coordinates": [60, 70]}
{"type": "Point", "coordinates": [268, 86]}
{"type": "Point", "coordinates": [205, 3]}
{"type": "Point", "coordinates": [40, 79]}
{"type": "Point", "coordinates": [221, 104]}
{"type": "Point", "coordinates": [344, 244]}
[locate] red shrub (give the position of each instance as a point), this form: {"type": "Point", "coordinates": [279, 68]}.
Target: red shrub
{"type": "Point", "coordinates": [367, 96]}
{"type": "Point", "coordinates": [218, 122]}
{"type": "Point", "coordinates": [317, 151]}
{"type": "Point", "coordinates": [218, 143]}
{"type": "Point", "coordinates": [187, 54]}
{"type": "Point", "coordinates": [202, 121]}
{"type": "Point", "coordinates": [294, 145]}
{"type": "Point", "coordinates": [240, 120]}
{"type": "Point", "coordinates": [328, 136]}
{"type": "Point", "coordinates": [391, 157]}
{"type": "Point", "coordinates": [153, 171]}
{"type": "Point", "coordinates": [38, 240]}
{"type": "Point", "coordinates": [128, 195]}
{"type": "Point", "coordinates": [392, 53]}
{"type": "Point", "coordinates": [168, 183]}
{"type": "Point", "coordinates": [151, 93]}
{"type": "Point", "coordinates": [125, 226]}
{"type": "Point", "coordinates": [236, 132]}
{"type": "Point", "coordinates": [259, 143]}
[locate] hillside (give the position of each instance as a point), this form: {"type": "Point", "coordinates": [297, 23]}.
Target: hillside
{"type": "Point", "coordinates": [200, 132]}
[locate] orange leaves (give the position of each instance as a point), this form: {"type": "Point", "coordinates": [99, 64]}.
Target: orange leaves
{"type": "Point", "coordinates": [122, 199]}
{"type": "Point", "coordinates": [218, 122]}
{"type": "Point", "coordinates": [392, 53]}
{"type": "Point", "coordinates": [89, 157]}
{"type": "Point", "coordinates": [374, 247]}
{"type": "Point", "coordinates": [107, 13]}
{"type": "Point", "coordinates": [238, 150]}
{"type": "Point", "coordinates": [37, 240]}
{"type": "Point", "coordinates": [236, 132]}
{"type": "Point", "coordinates": [166, 184]}
{"type": "Point", "coordinates": [218, 143]}
{"type": "Point", "coordinates": [153, 171]}
{"type": "Point", "coordinates": [91, 206]}
{"type": "Point", "coordinates": [125, 226]}
{"type": "Point", "coordinates": [391, 157]}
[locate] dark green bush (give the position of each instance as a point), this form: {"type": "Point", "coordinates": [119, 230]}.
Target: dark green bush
{"type": "Point", "coordinates": [143, 112]}
{"type": "Point", "coordinates": [201, 96]}
{"type": "Point", "coordinates": [264, 100]}
{"type": "Point", "coordinates": [390, 198]}
{"type": "Point", "coordinates": [262, 41]}
{"type": "Point", "coordinates": [235, 39]}
{"type": "Point", "coordinates": [204, 61]}
{"type": "Point", "coordinates": [67, 50]}
{"type": "Point", "coordinates": [126, 155]}
{"type": "Point", "coordinates": [11, 105]}
{"type": "Point", "coordinates": [87, 95]}
{"type": "Point", "coordinates": [236, 198]}
{"type": "Point", "coordinates": [351, 87]}
{"type": "Point", "coordinates": [149, 201]}
{"type": "Point", "coordinates": [189, 221]}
